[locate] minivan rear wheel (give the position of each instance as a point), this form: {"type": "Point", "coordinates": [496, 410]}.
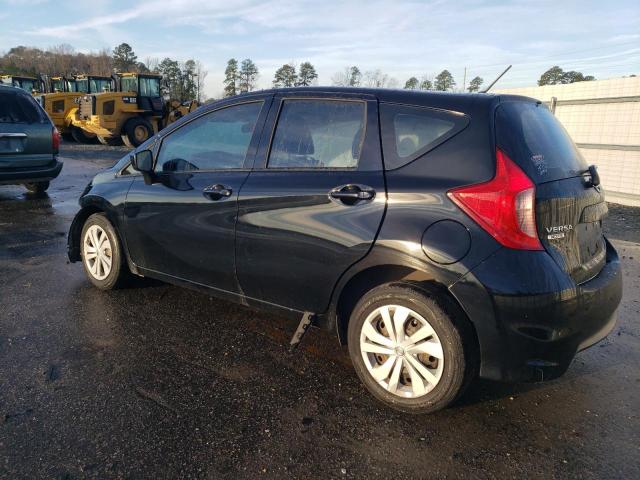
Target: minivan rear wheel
{"type": "Point", "coordinates": [37, 187]}
{"type": "Point", "coordinates": [101, 252]}
{"type": "Point", "coordinates": [407, 350]}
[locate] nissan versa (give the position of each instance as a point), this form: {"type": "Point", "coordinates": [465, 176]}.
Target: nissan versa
{"type": "Point", "coordinates": [441, 236]}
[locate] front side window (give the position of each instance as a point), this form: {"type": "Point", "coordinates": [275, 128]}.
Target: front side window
{"type": "Point", "coordinates": [318, 134]}
{"type": "Point", "coordinates": [217, 140]}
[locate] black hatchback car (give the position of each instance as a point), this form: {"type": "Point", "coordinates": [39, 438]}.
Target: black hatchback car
{"type": "Point", "coordinates": [28, 142]}
{"type": "Point", "coordinates": [441, 236]}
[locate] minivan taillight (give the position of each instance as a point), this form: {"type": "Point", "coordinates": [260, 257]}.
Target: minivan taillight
{"type": "Point", "coordinates": [503, 206]}
{"type": "Point", "coordinates": [55, 140]}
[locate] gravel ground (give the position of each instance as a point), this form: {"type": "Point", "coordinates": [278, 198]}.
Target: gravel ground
{"type": "Point", "coordinates": [161, 382]}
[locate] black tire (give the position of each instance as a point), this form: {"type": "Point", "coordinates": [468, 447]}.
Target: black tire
{"type": "Point", "coordinates": [136, 132]}
{"type": "Point", "coordinates": [110, 141]}
{"type": "Point", "coordinates": [81, 136]}
{"type": "Point", "coordinates": [455, 338]}
{"type": "Point", "coordinates": [67, 137]}
{"type": "Point", "coordinates": [37, 187]}
{"type": "Point", "coordinates": [119, 272]}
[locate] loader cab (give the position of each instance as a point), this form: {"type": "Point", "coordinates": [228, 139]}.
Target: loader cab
{"type": "Point", "coordinates": [28, 84]}
{"type": "Point", "coordinates": [91, 84]}
{"type": "Point", "coordinates": [146, 88]}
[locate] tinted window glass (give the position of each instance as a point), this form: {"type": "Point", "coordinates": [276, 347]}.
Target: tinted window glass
{"type": "Point", "coordinates": [19, 108]}
{"type": "Point", "coordinates": [216, 140]}
{"type": "Point", "coordinates": [409, 132]}
{"type": "Point", "coordinates": [318, 134]}
{"type": "Point", "coordinates": [150, 87]}
{"type": "Point", "coordinates": [533, 138]}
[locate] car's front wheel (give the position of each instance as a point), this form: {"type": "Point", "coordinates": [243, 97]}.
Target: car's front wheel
{"type": "Point", "coordinates": [408, 351]}
{"type": "Point", "coordinates": [102, 255]}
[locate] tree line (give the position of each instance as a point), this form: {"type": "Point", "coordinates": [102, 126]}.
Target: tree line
{"type": "Point", "coordinates": [184, 81]}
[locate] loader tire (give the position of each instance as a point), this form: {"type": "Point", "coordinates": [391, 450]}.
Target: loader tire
{"type": "Point", "coordinates": [110, 141]}
{"type": "Point", "coordinates": [136, 132]}
{"type": "Point", "coordinates": [81, 136]}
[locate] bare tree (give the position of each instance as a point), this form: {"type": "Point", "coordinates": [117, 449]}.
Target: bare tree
{"type": "Point", "coordinates": [378, 79]}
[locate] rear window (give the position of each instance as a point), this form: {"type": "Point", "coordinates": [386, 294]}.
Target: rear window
{"type": "Point", "coordinates": [532, 137]}
{"type": "Point", "coordinates": [410, 132]}
{"type": "Point", "coordinates": [19, 108]}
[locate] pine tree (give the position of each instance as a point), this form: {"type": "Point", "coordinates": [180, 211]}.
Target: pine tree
{"type": "Point", "coordinates": [124, 59]}
{"type": "Point", "coordinates": [307, 75]}
{"type": "Point", "coordinates": [248, 76]}
{"type": "Point", "coordinates": [474, 85]}
{"type": "Point", "coordinates": [231, 77]}
{"type": "Point", "coordinates": [412, 84]}
{"type": "Point", "coordinates": [444, 81]}
{"type": "Point", "coordinates": [285, 76]}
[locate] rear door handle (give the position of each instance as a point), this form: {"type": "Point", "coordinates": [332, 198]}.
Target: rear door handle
{"type": "Point", "coordinates": [352, 194]}
{"type": "Point", "coordinates": [217, 191]}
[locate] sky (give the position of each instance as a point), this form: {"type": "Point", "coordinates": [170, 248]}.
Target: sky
{"type": "Point", "coordinates": [400, 37]}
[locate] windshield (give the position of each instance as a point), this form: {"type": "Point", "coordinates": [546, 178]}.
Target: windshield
{"type": "Point", "coordinates": [150, 87]}
{"type": "Point", "coordinates": [81, 86]}
{"type": "Point", "coordinates": [19, 108]}
{"type": "Point", "coordinates": [56, 86]}
{"type": "Point", "coordinates": [99, 85]}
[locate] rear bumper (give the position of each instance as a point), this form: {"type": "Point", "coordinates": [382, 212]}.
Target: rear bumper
{"type": "Point", "coordinates": [531, 319]}
{"type": "Point", "coordinates": [45, 173]}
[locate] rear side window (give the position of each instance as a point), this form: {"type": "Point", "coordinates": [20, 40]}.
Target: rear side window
{"type": "Point", "coordinates": [410, 132]}
{"type": "Point", "coordinates": [318, 134]}
{"type": "Point", "coordinates": [533, 138]}
{"type": "Point", "coordinates": [19, 108]}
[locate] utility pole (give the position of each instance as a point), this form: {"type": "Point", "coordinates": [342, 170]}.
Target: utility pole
{"type": "Point", "coordinates": [464, 80]}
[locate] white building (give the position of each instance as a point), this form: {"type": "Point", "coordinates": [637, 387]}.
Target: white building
{"type": "Point", "coordinates": [603, 118]}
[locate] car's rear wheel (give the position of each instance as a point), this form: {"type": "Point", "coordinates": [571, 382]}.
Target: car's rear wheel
{"type": "Point", "coordinates": [37, 187]}
{"type": "Point", "coordinates": [102, 255]}
{"type": "Point", "coordinates": [408, 351]}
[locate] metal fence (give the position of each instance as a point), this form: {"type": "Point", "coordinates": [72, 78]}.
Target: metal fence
{"type": "Point", "coordinates": [603, 118]}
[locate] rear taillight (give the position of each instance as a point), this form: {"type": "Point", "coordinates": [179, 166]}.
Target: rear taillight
{"type": "Point", "coordinates": [503, 206]}
{"type": "Point", "coordinates": [55, 140]}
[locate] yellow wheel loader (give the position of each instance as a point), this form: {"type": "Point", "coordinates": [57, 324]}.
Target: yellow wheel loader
{"type": "Point", "coordinates": [61, 99]}
{"type": "Point", "coordinates": [131, 114]}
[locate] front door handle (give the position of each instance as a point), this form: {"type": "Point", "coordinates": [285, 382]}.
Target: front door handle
{"type": "Point", "coordinates": [352, 194]}
{"type": "Point", "coordinates": [217, 191]}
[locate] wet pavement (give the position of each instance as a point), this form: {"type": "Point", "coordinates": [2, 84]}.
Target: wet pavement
{"type": "Point", "coordinates": [156, 381]}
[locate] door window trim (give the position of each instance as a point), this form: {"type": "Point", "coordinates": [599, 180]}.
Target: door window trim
{"type": "Point", "coordinates": [255, 137]}
{"type": "Point", "coordinates": [282, 100]}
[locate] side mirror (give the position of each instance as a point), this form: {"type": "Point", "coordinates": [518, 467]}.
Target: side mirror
{"type": "Point", "coordinates": [143, 162]}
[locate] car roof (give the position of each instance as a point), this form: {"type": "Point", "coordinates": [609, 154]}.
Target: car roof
{"type": "Point", "coordinates": [463, 102]}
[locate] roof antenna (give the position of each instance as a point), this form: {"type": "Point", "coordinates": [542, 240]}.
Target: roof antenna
{"type": "Point", "coordinates": [496, 80]}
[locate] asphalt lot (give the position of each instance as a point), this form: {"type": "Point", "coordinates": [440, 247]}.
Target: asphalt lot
{"type": "Point", "coordinates": [156, 381]}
